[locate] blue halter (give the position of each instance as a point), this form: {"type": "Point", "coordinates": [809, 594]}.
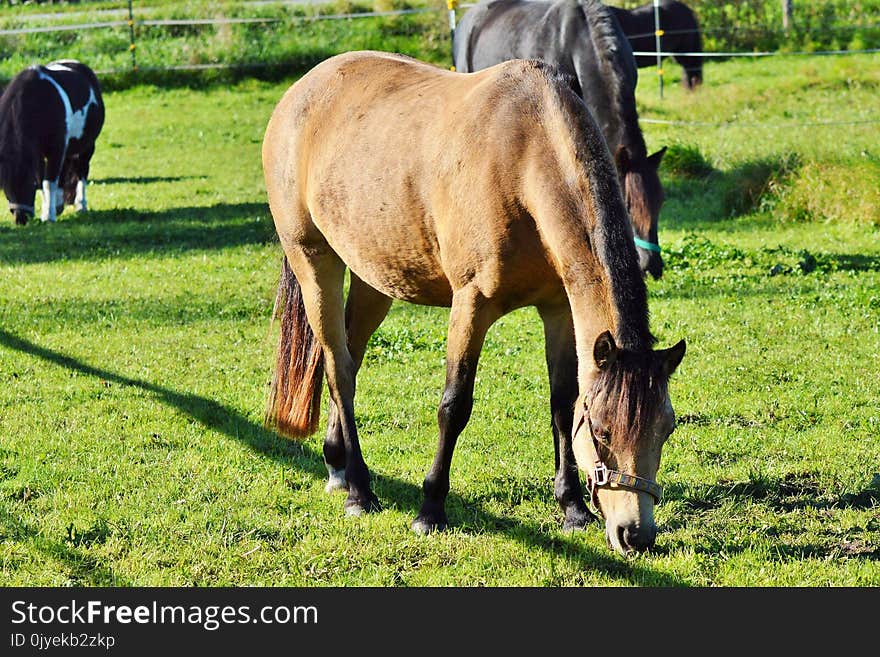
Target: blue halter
{"type": "Point", "coordinates": [648, 246]}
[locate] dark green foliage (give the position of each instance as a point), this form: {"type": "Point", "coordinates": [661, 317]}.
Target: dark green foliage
{"type": "Point", "coordinates": [685, 160]}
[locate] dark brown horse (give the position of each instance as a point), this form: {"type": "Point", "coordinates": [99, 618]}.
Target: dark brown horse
{"type": "Point", "coordinates": [583, 39]}
{"type": "Point", "coordinates": [388, 167]}
{"type": "Point", "coordinates": [681, 34]}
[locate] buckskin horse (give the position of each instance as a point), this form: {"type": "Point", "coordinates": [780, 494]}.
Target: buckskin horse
{"type": "Point", "coordinates": [681, 34]}
{"type": "Point", "coordinates": [484, 193]}
{"type": "Point", "coordinates": [583, 39]}
{"type": "Point", "coordinates": [50, 117]}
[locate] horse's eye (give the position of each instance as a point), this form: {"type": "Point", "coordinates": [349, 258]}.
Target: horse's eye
{"type": "Point", "coordinates": [605, 437]}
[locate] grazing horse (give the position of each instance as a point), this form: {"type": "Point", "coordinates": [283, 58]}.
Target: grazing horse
{"type": "Point", "coordinates": [582, 39]}
{"type": "Point", "coordinates": [389, 167]}
{"type": "Point", "coordinates": [50, 117]}
{"type": "Point", "coordinates": [681, 34]}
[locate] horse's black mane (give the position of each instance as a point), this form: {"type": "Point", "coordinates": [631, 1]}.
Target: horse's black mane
{"type": "Point", "coordinates": [619, 72]}
{"type": "Point", "coordinates": [611, 237]}
{"type": "Point", "coordinates": [13, 153]}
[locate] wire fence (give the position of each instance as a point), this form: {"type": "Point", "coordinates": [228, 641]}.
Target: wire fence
{"type": "Point", "coordinates": [767, 53]}
{"type": "Point", "coordinates": [452, 6]}
{"type": "Point", "coordinates": [134, 24]}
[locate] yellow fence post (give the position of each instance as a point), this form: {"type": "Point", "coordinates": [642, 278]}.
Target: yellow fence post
{"type": "Point", "coordinates": [451, 5]}
{"type": "Point", "coordinates": [131, 45]}
{"type": "Point", "coordinates": [658, 32]}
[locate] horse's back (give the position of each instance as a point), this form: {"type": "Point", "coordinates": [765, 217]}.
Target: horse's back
{"type": "Point", "coordinates": [78, 81]}
{"type": "Point", "coordinates": [581, 38]}
{"type": "Point", "coordinates": [393, 164]}
{"type": "Point", "coordinates": [83, 70]}
{"type": "Point", "coordinates": [500, 30]}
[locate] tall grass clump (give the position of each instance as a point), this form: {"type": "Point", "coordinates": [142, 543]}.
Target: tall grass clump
{"type": "Point", "coordinates": [842, 193]}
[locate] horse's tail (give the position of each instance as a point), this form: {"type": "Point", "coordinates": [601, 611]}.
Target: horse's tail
{"type": "Point", "coordinates": [294, 405]}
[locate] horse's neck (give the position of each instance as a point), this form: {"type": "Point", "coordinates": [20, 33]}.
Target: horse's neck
{"type": "Point", "coordinates": [620, 125]}
{"type": "Point", "coordinates": [608, 91]}
{"type": "Point", "coordinates": [591, 243]}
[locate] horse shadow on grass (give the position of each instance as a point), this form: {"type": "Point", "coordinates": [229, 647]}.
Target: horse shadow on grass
{"type": "Point", "coordinates": [235, 71]}
{"type": "Point", "coordinates": [100, 234]}
{"type": "Point", "coordinates": [789, 493]}
{"type": "Point", "coordinates": [142, 180]}
{"type": "Point", "coordinates": [721, 199]}
{"type": "Point", "coordinates": [82, 567]}
{"type": "Point", "coordinates": [405, 495]}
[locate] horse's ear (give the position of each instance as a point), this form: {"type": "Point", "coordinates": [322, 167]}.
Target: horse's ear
{"type": "Point", "coordinates": [604, 351]}
{"type": "Point", "coordinates": [656, 157]}
{"type": "Point", "coordinates": [672, 357]}
{"type": "Point", "coordinates": [622, 160]}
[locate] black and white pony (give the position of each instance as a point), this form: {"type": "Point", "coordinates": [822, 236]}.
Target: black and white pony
{"type": "Point", "coordinates": [50, 117]}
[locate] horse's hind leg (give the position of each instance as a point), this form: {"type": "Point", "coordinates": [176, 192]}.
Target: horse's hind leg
{"type": "Point", "coordinates": [562, 368]}
{"type": "Point", "coordinates": [75, 179]}
{"type": "Point", "coordinates": [364, 311]}
{"type": "Point", "coordinates": [82, 174]}
{"type": "Point", "coordinates": [320, 275]}
{"type": "Point", "coordinates": [469, 320]}
{"type": "Point", "coordinates": [53, 202]}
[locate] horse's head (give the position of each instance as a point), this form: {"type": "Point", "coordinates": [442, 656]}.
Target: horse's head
{"type": "Point", "coordinates": [619, 432]}
{"type": "Point", "coordinates": [644, 198]}
{"type": "Point", "coordinates": [692, 76]}
{"type": "Point", "coordinates": [20, 186]}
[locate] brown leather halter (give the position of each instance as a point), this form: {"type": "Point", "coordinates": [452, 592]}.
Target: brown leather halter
{"type": "Point", "coordinates": [601, 476]}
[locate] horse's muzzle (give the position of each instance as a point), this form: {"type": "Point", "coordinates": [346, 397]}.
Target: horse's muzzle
{"type": "Point", "coordinates": [21, 216]}
{"type": "Point", "coordinates": [632, 538]}
{"type": "Point", "coordinates": [692, 81]}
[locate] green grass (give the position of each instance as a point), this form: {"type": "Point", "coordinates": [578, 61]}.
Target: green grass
{"type": "Point", "coordinates": [135, 353]}
{"type": "Point", "coordinates": [289, 45]}
{"type": "Point", "coordinates": [293, 43]}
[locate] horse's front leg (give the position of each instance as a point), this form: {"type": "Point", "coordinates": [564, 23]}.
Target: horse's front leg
{"type": "Point", "coordinates": [562, 369]}
{"type": "Point", "coordinates": [469, 320]}
{"type": "Point", "coordinates": [80, 166]}
{"type": "Point", "coordinates": [51, 205]}
{"type": "Point", "coordinates": [53, 202]}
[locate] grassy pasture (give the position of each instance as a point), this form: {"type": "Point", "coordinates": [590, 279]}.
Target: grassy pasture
{"type": "Point", "coordinates": [135, 350]}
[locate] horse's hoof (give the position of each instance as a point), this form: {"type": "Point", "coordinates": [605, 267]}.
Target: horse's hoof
{"type": "Point", "coordinates": [577, 520]}
{"type": "Point", "coordinates": [336, 481]}
{"type": "Point", "coordinates": [80, 207]}
{"type": "Point", "coordinates": [355, 507]}
{"type": "Point", "coordinates": [424, 525]}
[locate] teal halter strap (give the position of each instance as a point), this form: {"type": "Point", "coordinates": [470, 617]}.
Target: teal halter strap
{"type": "Point", "coordinates": [648, 246]}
